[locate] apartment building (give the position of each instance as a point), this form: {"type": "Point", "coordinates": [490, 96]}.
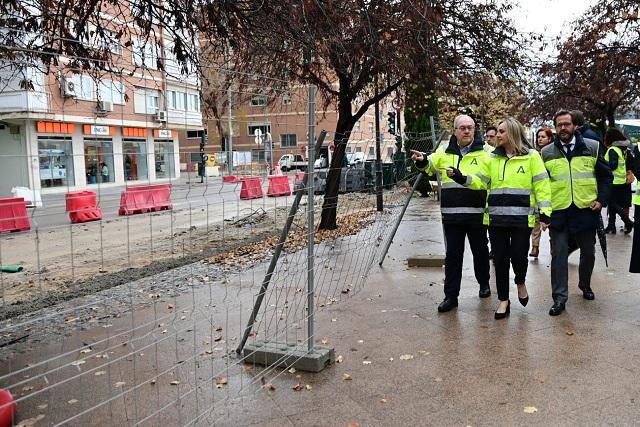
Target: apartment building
{"type": "Point", "coordinates": [284, 116]}
{"type": "Point", "coordinates": [70, 129]}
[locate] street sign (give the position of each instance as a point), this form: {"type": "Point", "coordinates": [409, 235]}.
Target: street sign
{"type": "Point", "coordinates": [397, 103]}
{"type": "Point", "coordinates": [259, 136]}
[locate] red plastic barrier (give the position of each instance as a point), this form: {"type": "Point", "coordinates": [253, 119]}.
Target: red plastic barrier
{"type": "Point", "coordinates": [278, 186]}
{"type": "Point", "coordinates": [13, 215]}
{"type": "Point", "coordinates": [230, 178]}
{"type": "Point", "coordinates": [145, 198]}
{"type": "Point", "coordinates": [299, 179]}
{"type": "Point", "coordinates": [8, 408]}
{"type": "Point", "coordinates": [251, 188]}
{"type": "Point", "coordinates": [82, 206]}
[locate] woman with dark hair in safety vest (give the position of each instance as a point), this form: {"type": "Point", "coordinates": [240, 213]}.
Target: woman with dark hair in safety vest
{"type": "Point", "coordinates": [517, 183]}
{"type": "Point", "coordinates": [617, 146]}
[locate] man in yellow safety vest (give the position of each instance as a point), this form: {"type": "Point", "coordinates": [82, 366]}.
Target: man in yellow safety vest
{"type": "Point", "coordinates": [463, 209]}
{"type": "Point", "coordinates": [580, 186]}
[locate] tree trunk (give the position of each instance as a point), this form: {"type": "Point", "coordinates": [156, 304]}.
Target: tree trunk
{"type": "Point", "coordinates": [611, 118]}
{"type": "Point", "coordinates": [343, 131]}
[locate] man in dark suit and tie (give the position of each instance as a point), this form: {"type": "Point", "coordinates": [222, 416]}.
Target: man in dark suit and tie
{"type": "Point", "coordinates": [580, 185]}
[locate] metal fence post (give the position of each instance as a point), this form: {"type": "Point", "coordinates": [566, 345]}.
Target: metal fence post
{"type": "Point", "coordinates": [310, 221]}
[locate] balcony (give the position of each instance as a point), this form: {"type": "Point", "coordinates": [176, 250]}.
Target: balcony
{"type": "Point", "coordinates": [19, 101]}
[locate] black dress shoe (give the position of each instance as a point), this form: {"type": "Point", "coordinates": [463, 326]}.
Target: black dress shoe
{"type": "Point", "coordinates": [524, 301]}
{"type": "Point", "coordinates": [628, 228]}
{"type": "Point", "coordinates": [556, 308]}
{"type": "Point", "coordinates": [499, 316]}
{"type": "Point", "coordinates": [587, 293]}
{"type": "Point", "coordinates": [484, 292]}
{"type": "Point", "coordinates": [447, 304]}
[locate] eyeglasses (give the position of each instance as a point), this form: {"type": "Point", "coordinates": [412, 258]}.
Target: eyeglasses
{"type": "Point", "coordinates": [564, 125]}
{"type": "Point", "coordinates": [466, 128]}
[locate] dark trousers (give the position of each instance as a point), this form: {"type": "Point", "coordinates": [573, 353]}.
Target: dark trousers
{"type": "Point", "coordinates": [586, 241]}
{"type": "Point", "coordinates": [634, 265]}
{"type": "Point", "coordinates": [454, 235]}
{"type": "Point", "coordinates": [510, 246]}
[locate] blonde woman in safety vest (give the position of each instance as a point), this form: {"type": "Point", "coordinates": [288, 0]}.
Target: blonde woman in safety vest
{"type": "Point", "coordinates": [580, 186]}
{"type": "Point", "coordinates": [518, 184]}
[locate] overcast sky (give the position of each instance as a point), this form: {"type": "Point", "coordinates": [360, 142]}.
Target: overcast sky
{"type": "Point", "coordinates": [551, 17]}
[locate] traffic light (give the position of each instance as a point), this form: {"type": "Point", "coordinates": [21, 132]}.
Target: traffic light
{"type": "Point", "coordinates": [391, 122]}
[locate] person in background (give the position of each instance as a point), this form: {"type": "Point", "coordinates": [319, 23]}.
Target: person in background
{"type": "Point", "coordinates": [634, 263]}
{"type": "Point", "coordinates": [544, 136]}
{"type": "Point", "coordinates": [580, 186]}
{"type": "Point", "coordinates": [462, 208]}
{"type": "Point", "coordinates": [585, 128]}
{"type": "Point", "coordinates": [490, 135]}
{"type": "Point", "coordinates": [104, 171]}
{"type": "Point", "coordinates": [617, 147]}
{"type": "Point", "coordinates": [518, 183]}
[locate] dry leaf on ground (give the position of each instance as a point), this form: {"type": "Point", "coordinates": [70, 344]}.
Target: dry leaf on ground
{"type": "Point", "coordinates": [530, 409]}
{"type": "Point", "coordinates": [346, 377]}
{"type": "Point", "coordinates": [406, 357]}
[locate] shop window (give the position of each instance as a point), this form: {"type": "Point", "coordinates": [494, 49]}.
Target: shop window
{"type": "Point", "coordinates": [98, 160]}
{"type": "Point", "coordinates": [134, 158]}
{"type": "Point", "coordinates": [164, 159]}
{"type": "Point", "coordinates": [56, 161]}
{"type": "Point", "coordinates": [372, 151]}
{"type": "Point", "coordinates": [389, 153]}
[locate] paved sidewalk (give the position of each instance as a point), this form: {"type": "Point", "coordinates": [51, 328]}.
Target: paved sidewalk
{"type": "Point", "coordinates": [410, 365]}
{"type": "Point", "coordinates": [581, 368]}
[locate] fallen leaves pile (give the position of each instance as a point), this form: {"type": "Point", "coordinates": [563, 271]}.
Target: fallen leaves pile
{"type": "Point", "coordinates": [348, 225]}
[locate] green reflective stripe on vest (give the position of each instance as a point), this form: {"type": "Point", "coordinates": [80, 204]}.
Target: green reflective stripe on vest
{"type": "Point", "coordinates": [561, 177]}
{"type": "Point", "coordinates": [511, 210]}
{"type": "Point", "coordinates": [514, 191]}
{"type": "Point", "coordinates": [540, 177]}
{"type": "Point", "coordinates": [462, 210]}
{"type": "Point", "coordinates": [620, 172]}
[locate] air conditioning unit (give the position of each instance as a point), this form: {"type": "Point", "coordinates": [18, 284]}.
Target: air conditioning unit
{"type": "Point", "coordinates": [105, 106]}
{"type": "Point", "coordinates": [161, 116]}
{"type": "Point", "coordinates": [68, 88]}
